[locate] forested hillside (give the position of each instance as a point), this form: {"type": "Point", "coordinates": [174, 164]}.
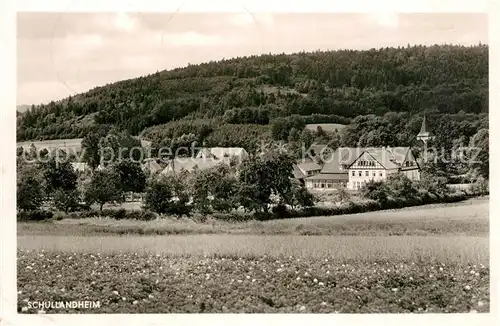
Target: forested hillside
{"type": "Point", "coordinates": [249, 96]}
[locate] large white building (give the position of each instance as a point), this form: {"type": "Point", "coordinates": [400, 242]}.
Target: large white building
{"type": "Point", "coordinates": [379, 163]}
{"type": "Point", "coordinates": [351, 167]}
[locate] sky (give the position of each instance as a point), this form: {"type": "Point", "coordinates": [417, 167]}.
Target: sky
{"type": "Point", "coordinates": [61, 54]}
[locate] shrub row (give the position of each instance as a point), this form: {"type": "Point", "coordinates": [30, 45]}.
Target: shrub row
{"type": "Point", "coordinates": [118, 214]}
{"type": "Point", "coordinates": [36, 215]}
{"type": "Point", "coordinates": [278, 212]}
{"type": "Point", "coordinates": [367, 205]}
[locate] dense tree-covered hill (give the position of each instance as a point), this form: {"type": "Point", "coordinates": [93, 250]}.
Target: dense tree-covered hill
{"type": "Point", "coordinates": [337, 86]}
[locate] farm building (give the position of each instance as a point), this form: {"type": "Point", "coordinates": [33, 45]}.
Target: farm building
{"type": "Point", "coordinates": [151, 165]}
{"type": "Point", "coordinates": [219, 153]}
{"type": "Point", "coordinates": [80, 166]}
{"type": "Point", "coordinates": [190, 164]}
{"type": "Point", "coordinates": [353, 167]}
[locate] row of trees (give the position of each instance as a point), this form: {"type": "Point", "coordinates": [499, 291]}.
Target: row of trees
{"type": "Point", "coordinates": [452, 132]}
{"type": "Point", "coordinates": [55, 182]}
{"type": "Point", "coordinates": [255, 185]}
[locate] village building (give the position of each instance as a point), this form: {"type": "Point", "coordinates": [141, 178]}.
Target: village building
{"type": "Point", "coordinates": [308, 168]}
{"type": "Point", "coordinates": [206, 158]}
{"type": "Point", "coordinates": [151, 165]}
{"type": "Point", "coordinates": [220, 153]}
{"type": "Point", "coordinates": [190, 164]}
{"type": "Point", "coordinates": [353, 167]}
{"type": "Point", "coordinates": [80, 167]}
{"type": "Point", "coordinates": [377, 164]}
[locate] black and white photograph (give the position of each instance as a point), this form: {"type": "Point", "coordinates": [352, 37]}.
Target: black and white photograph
{"type": "Point", "coordinates": [252, 162]}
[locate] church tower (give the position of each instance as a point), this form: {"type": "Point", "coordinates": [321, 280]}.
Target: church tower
{"type": "Point", "coordinates": [425, 135]}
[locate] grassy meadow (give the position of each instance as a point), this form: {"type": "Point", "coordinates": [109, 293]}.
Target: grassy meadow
{"type": "Point", "coordinates": [464, 218]}
{"type": "Point", "coordinates": [328, 127]}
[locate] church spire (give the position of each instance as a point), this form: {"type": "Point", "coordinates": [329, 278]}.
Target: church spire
{"type": "Point", "coordinates": [425, 133]}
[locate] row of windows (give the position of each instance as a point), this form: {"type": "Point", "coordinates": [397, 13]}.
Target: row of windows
{"type": "Point", "coordinates": [366, 163]}
{"type": "Point", "coordinates": [359, 184]}
{"type": "Point", "coordinates": [367, 173]}
{"type": "Point", "coordinates": [326, 185]}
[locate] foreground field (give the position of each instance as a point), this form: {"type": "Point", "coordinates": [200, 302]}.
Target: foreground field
{"type": "Point", "coordinates": [155, 283]}
{"type": "Point", "coordinates": [427, 259]}
{"type": "Point", "coordinates": [470, 217]}
{"type": "Point", "coordinates": [442, 249]}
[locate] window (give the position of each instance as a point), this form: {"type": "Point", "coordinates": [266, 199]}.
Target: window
{"type": "Point", "coordinates": [322, 185]}
{"type": "Point", "coordinates": [374, 174]}
{"type": "Point", "coordinates": [360, 173]}
{"type": "Point", "coordinates": [367, 173]}
{"type": "Point", "coordinates": [407, 163]}
{"type": "Point", "coordinates": [353, 173]}
{"type": "Point", "coordinates": [380, 173]}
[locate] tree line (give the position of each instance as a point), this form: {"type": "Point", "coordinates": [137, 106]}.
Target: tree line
{"type": "Point", "coordinates": [437, 79]}
{"type": "Point", "coordinates": [255, 185]}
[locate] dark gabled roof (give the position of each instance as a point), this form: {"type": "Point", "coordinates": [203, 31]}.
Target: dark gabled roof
{"type": "Point", "coordinates": [389, 157]}
{"type": "Point", "coordinates": [343, 155]}
{"type": "Point", "coordinates": [308, 165]}
{"type": "Point", "coordinates": [329, 176]}
{"type": "Point", "coordinates": [297, 173]}
{"type": "Point", "coordinates": [384, 157]}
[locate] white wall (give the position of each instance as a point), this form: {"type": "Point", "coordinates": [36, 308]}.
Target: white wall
{"type": "Point", "coordinates": [412, 174]}
{"type": "Point", "coordinates": [380, 174]}
{"type": "Point", "coordinates": [310, 184]}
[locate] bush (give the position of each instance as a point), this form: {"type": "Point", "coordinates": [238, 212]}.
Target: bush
{"type": "Point", "coordinates": [401, 186]}
{"type": "Point", "coordinates": [376, 190]}
{"type": "Point", "coordinates": [168, 195]}
{"type": "Point", "coordinates": [280, 212]}
{"type": "Point", "coordinates": [36, 215]}
{"type": "Point", "coordinates": [140, 215]}
{"type": "Point", "coordinates": [59, 216]}
{"type": "Point", "coordinates": [120, 214]}
{"type": "Point", "coordinates": [234, 217]}
{"type": "Point", "coordinates": [455, 197]}
{"type": "Point", "coordinates": [433, 184]}
{"type": "Point", "coordinates": [66, 200]}
{"type": "Point", "coordinates": [30, 195]}
{"type": "Point", "coordinates": [480, 187]}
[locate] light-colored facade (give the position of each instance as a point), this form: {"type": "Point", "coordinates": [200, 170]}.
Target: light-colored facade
{"type": "Point", "coordinates": [377, 164]}
{"type": "Point", "coordinates": [351, 168]}
{"type": "Point", "coordinates": [326, 182]}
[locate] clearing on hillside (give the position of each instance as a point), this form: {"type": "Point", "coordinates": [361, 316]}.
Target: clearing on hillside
{"type": "Point", "coordinates": [329, 127]}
